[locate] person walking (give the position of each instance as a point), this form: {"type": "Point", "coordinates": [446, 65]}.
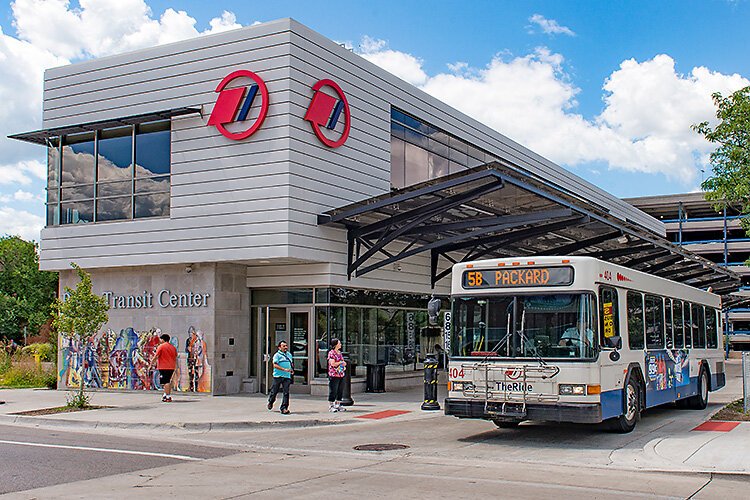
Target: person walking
{"type": "Point", "coordinates": [283, 371]}
{"type": "Point", "coordinates": [336, 370]}
{"type": "Point", "coordinates": [165, 359]}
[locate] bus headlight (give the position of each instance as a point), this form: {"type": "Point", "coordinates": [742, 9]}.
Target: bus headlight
{"type": "Point", "coordinates": [462, 386]}
{"type": "Point", "coordinates": [572, 389]}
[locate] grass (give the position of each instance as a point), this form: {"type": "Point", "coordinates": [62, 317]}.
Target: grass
{"type": "Point", "coordinates": [22, 372]}
{"type": "Point", "coordinates": [732, 412]}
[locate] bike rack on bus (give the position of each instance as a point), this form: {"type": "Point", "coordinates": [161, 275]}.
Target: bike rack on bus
{"type": "Point", "coordinates": [506, 402]}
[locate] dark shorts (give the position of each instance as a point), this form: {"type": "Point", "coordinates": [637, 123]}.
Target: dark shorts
{"type": "Point", "coordinates": [165, 376]}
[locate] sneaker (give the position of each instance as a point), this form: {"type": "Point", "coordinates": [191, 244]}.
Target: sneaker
{"type": "Point", "coordinates": [340, 408]}
{"type": "Point", "coordinates": [169, 399]}
{"type": "Point", "coordinates": [333, 409]}
{"type": "Point", "coordinates": [164, 398]}
{"type": "Point", "coordinates": [270, 406]}
{"type": "Point", "coordinates": [285, 412]}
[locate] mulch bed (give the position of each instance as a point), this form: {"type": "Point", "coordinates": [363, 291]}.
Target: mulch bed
{"type": "Point", "coordinates": [58, 409]}
{"type": "Point", "coordinates": [732, 413]}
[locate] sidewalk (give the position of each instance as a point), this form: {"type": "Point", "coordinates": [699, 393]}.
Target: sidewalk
{"type": "Point", "coordinates": [192, 412]}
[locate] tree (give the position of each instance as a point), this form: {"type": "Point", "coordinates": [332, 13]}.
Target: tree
{"type": "Point", "coordinates": [26, 293]}
{"type": "Point", "coordinates": [80, 314]}
{"type": "Point", "coordinates": [729, 185]}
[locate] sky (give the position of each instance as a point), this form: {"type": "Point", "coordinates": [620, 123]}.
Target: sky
{"type": "Point", "coordinates": [606, 89]}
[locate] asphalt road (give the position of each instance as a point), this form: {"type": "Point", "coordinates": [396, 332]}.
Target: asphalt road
{"type": "Point", "coordinates": [32, 457]}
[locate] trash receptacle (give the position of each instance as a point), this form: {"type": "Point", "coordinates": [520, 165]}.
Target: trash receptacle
{"type": "Point", "coordinates": [375, 378]}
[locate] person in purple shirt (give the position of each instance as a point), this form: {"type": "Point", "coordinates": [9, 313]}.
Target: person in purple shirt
{"type": "Point", "coordinates": [336, 370]}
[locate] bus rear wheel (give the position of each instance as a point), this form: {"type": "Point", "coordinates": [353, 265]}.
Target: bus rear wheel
{"type": "Point", "coordinates": [631, 409]}
{"type": "Point", "coordinates": [700, 400]}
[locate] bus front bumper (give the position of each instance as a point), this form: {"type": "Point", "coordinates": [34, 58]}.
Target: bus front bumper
{"type": "Point", "coordinates": [586, 413]}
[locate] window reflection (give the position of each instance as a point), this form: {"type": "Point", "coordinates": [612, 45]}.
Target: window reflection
{"type": "Point", "coordinates": [152, 149]}
{"type": "Point", "coordinates": [73, 170]}
{"type": "Point", "coordinates": [77, 212]}
{"type": "Point", "coordinates": [115, 154]}
{"type": "Point", "coordinates": [114, 208]}
{"type": "Point", "coordinates": [423, 152]}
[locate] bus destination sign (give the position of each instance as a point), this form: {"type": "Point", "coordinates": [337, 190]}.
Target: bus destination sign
{"type": "Point", "coordinates": [517, 277]}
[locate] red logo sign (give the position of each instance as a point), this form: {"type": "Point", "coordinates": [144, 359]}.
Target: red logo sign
{"type": "Point", "coordinates": [325, 111]}
{"type": "Point", "coordinates": [227, 109]}
{"type": "Point", "coordinates": [622, 277]}
{"type": "Point", "coordinates": [513, 373]}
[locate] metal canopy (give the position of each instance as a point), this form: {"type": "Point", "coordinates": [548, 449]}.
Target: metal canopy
{"type": "Point", "coordinates": [495, 211]}
{"type": "Point", "coordinates": [42, 136]}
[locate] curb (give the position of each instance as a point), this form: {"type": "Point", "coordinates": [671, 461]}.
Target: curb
{"type": "Point", "coordinates": [186, 426]}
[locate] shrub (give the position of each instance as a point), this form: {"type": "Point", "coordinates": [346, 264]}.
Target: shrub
{"type": "Point", "coordinates": [23, 372]}
{"type": "Point", "coordinates": [78, 400]}
{"type": "Point", "coordinates": [46, 351]}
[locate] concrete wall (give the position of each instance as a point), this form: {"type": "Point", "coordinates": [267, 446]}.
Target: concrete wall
{"type": "Point", "coordinates": [226, 315]}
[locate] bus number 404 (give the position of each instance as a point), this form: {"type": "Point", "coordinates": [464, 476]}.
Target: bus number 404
{"type": "Point", "coordinates": [456, 373]}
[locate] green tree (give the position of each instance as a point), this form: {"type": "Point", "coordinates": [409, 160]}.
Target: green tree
{"type": "Point", "coordinates": [729, 184]}
{"type": "Point", "coordinates": [26, 293]}
{"type": "Point", "coordinates": [80, 314]}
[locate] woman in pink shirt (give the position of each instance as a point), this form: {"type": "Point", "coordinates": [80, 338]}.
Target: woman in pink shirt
{"type": "Point", "coordinates": [336, 370]}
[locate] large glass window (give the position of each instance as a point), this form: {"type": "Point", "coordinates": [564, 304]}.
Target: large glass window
{"type": "Point", "coordinates": [699, 327]}
{"type": "Point", "coordinates": [712, 338]}
{"type": "Point", "coordinates": [609, 316]}
{"type": "Point", "coordinates": [420, 151]}
{"type": "Point", "coordinates": [679, 334]}
{"type": "Point", "coordinates": [525, 326]}
{"type": "Point", "coordinates": [635, 320]}
{"type": "Point", "coordinates": [668, 323]}
{"type": "Point", "coordinates": [94, 177]}
{"type": "Point", "coordinates": [654, 322]}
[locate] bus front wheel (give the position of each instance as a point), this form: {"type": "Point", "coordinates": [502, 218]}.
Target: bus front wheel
{"type": "Point", "coordinates": [631, 408]}
{"type": "Point", "coordinates": [700, 400]}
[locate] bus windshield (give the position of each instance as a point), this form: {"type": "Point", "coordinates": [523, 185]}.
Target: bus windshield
{"type": "Point", "coordinates": [561, 325]}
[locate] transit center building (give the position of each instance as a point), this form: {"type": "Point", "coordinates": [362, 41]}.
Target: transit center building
{"type": "Point", "coordinates": [267, 184]}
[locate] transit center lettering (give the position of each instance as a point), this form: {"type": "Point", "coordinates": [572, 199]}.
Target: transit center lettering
{"type": "Point", "coordinates": [165, 299]}
{"type": "Point", "coordinates": [505, 278]}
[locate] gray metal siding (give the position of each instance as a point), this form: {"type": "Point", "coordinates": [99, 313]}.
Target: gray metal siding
{"type": "Point", "coordinates": [259, 198]}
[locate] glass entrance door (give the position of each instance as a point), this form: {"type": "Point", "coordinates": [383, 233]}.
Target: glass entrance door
{"type": "Point", "coordinates": [299, 330]}
{"type": "Point", "coordinates": [272, 328]}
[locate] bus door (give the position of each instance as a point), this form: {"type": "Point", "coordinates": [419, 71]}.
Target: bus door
{"type": "Point", "coordinates": [611, 378]}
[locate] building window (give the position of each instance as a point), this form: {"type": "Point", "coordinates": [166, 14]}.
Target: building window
{"type": "Point", "coordinates": [420, 152]}
{"type": "Point", "coordinates": [112, 174]}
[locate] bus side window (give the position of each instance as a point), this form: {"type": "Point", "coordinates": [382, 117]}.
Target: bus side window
{"type": "Point", "coordinates": [677, 325]}
{"type": "Point", "coordinates": [654, 322]}
{"type": "Point", "coordinates": [712, 338]}
{"type": "Point", "coordinates": [668, 323]}
{"type": "Point", "coordinates": [610, 318]}
{"type": "Point", "coordinates": [688, 324]}
{"type": "Point", "coordinates": [699, 327]}
{"type": "Point", "coordinates": [635, 320]}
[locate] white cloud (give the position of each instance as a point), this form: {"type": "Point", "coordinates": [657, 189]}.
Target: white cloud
{"type": "Point", "coordinates": [23, 172]}
{"type": "Point", "coordinates": [103, 27]}
{"type": "Point", "coordinates": [644, 125]}
{"type": "Point", "coordinates": [404, 66]}
{"type": "Point", "coordinates": [20, 223]}
{"type": "Point", "coordinates": [550, 26]}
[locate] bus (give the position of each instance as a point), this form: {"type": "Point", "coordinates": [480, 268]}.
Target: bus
{"type": "Point", "coordinates": [577, 339]}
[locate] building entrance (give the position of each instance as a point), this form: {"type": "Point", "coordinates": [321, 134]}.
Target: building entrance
{"type": "Point", "coordinates": [292, 325]}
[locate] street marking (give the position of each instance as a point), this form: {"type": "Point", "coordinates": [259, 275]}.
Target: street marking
{"type": "Point", "coordinates": [717, 426]}
{"type": "Point", "coordinates": [383, 414]}
{"type": "Point", "coordinates": [104, 450]}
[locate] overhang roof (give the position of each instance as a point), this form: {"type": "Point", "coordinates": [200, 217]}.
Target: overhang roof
{"type": "Point", "coordinates": [495, 210]}
{"type": "Point", "coordinates": [42, 136]}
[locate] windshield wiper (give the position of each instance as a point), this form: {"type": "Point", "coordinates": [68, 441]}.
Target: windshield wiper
{"type": "Point", "coordinates": [524, 339]}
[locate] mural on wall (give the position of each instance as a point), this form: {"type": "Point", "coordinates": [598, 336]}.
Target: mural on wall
{"type": "Point", "coordinates": [109, 360]}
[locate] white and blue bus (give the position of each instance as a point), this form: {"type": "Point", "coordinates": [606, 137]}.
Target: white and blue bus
{"type": "Point", "coordinates": [577, 339]}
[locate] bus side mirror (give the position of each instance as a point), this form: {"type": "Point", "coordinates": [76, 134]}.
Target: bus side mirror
{"type": "Point", "coordinates": [433, 310]}
{"type": "Point", "coordinates": [614, 342]}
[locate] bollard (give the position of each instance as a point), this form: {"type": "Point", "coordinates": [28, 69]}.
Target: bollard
{"type": "Point", "coordinates": [346, 396]}
{"type": "Point", "coordinates": [430, 383]}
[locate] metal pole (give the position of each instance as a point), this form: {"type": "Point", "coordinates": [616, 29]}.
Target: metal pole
{"type": "Point", "coordinates": [726, 249]}
{"type": "Point", "coordinates": [745, 376]}
{"type": "Point", "coordinates": [679, 209]}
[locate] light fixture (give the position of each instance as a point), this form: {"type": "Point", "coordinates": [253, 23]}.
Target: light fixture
{"type": "Point", "coordinates": [189, 268]}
